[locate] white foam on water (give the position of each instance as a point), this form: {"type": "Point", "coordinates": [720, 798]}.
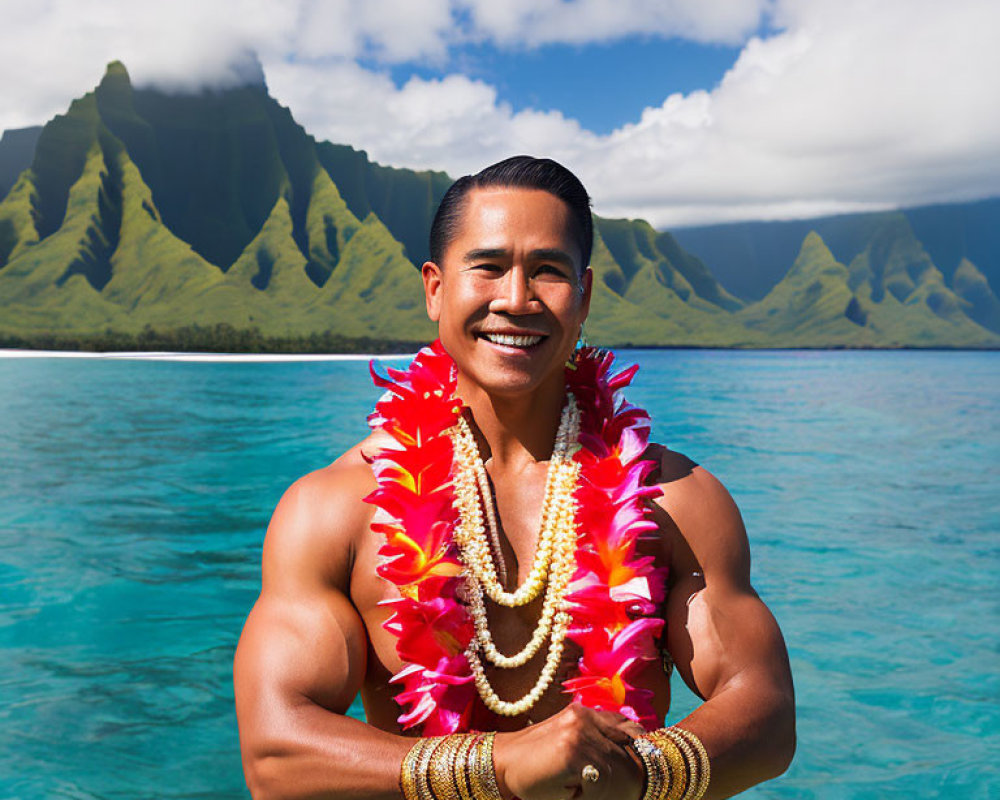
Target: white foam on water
{"type": "Point", "coordinates": [213, 357]}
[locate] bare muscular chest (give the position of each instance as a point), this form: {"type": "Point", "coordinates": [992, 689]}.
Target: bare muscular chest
{"type": "Point", "coordinates": [519, 506]}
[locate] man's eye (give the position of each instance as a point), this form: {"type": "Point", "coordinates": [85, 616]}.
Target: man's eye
{"type": "Point", "coordinates": [489, 267]}
{"type": "Point", "coordinates": [551, 269]}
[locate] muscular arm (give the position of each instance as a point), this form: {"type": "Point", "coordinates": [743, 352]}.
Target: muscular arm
{"type": "Point", "coordinates": [724, 640]}
{"type": "Point", "coordinates": [301, 657]}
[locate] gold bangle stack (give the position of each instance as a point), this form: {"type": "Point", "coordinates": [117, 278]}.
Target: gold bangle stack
{"type": "Point", "coordinates": [676, 762]}
{"type": "Point", "coordinates": [703, 771]}
{"type": "Point", "coordinates": [456, 767]}
{"type": "Point", "coordinates": [659, 779]}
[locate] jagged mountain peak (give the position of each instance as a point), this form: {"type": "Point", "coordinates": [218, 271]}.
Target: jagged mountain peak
{"type": "Point", "coordinates": [116, 70]}
{"type": "Point", "coordinates": [814, 257]}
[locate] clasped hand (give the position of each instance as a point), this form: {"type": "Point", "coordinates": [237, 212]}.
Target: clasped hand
{"type": "Point", "coordinates": [546, 761]}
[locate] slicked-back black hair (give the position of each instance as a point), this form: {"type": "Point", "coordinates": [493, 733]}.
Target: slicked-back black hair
{"type": "Point", "coordinates": [520, 172]}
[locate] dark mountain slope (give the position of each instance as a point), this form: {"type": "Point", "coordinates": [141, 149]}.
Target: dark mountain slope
{"type": "Point", "coordinates": [17, 149]}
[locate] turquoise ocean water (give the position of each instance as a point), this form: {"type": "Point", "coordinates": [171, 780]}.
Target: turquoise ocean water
{"type": "Point", "coordinates": [134, 496]}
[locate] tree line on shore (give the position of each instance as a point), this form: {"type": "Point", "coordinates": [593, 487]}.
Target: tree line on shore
{"type": "Point", "coordinates": [219, 338]}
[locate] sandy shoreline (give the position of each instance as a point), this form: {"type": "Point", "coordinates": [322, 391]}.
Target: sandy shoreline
{"type": "Point", "coordinates": [212, 357]}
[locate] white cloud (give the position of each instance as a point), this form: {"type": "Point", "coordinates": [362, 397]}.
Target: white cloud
{"type": "Point", "coordinates": [853, 105]}
{"type": "Point", "coordinates": [392, 30]}
{"type": "Point", "coordinates": [455, 124]}
{"type": "Point", "coordinates": [535, 22]}
{"type": "Point", "coordinates": [54, 50]}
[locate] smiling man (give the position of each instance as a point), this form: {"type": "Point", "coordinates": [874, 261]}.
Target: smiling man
{"type": "Point", "coordinates": [506, 569]}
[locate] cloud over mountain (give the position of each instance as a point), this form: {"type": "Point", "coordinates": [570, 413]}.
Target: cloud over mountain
{"type": "Point", "coordinates": [833, 106]}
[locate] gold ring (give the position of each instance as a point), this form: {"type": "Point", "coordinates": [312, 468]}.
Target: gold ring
{"type": "Point", "coordinates": [590, 773]}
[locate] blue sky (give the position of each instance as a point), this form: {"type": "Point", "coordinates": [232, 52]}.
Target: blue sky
{"type": "Point", "coordinates": [681, 112]}
{"type": "Point", "coordinates": [603, 85]}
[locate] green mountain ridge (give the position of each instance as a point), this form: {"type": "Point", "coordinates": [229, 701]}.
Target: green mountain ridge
{"type": "Point", "coordinates": [821, 302]}
{"type": "Point", "coordinates": [749, 258]}
{"type": "Point", "coordinates": [144, 211]}
{"type": "Point", "coordinates": [88, 244]}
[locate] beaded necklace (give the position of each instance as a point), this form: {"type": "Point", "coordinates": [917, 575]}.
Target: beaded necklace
{"type": "Point", "coordinates": [553, 563]}
{"type": "Point", "coordinates": [599, 594]}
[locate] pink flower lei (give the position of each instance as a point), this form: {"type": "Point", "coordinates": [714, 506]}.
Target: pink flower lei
{"type": "Point", "coordinates": [612, 592]}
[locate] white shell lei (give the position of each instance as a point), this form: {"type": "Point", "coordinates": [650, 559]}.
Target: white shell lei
{"type": "Point", "coordinates": [552, 567]}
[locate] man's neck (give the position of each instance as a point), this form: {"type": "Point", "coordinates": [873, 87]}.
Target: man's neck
{"type": "Point", "coordinates": [514, 430]}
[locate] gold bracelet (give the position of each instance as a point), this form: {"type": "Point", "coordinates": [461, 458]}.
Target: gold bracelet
{"type": "Point", "coordinates": [441, 772]}
{"type": "Point", "coordinates": [678, 766]}
{"type": "Point", "coordinates": [641, 748]}
{"type": "Point", "coordinates": [407, 771]}
{"type": "Point", "coordinates": [482, 772]}
{"type": "Point", "coordinates": [705, 766]}
{"type": "Point", "coordinates": [692, 761]}
{"type": "Point", "coordinates": [657, 770]}
{"type": "Point", "coordinates": [413, 773]}
{"type": "Point", "coordinates": [670, 760]}
{"type": "Point", "coordinates": [460, 767]}
{"type": "Point", "coordinates": [490, 773]}
{"type": "Point", "coordinates": [472, 769]}
{"type": "Point", "coordinates": [423, 768]}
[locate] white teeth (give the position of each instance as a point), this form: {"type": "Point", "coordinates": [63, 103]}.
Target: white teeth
{"type": "Point", "coordinates": [512, 341]}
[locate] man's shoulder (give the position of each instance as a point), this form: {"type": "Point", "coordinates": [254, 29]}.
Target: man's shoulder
{"type": "Point", "coordinates": [684, 481]}
{"type": "Point", "coordinates": [701, 516]}
{"type": "Point", "coordinates": [348, 476]}
{"type": "Point", "coordinates": [671, 466]}
{"type": "Point", "coordinates": [320, 516]}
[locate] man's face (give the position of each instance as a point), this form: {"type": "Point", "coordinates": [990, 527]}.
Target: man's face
{"type": "Point", "coordinates": [509, 297]}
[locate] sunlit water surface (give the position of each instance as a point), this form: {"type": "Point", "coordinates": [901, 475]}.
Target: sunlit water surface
{"type": "Point", "coordinates": [134, 497]}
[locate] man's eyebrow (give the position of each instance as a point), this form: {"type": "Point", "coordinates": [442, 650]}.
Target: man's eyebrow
{"type": "Point", "coordinates": [541, 254]}
{"type": "Point", "coordinates": [485, 253]}
{"type": "Point", "coordinates": [552, 254]}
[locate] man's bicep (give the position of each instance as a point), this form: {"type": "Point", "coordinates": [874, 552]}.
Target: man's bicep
{"type": "Point", "coordinates": [297, 650]}
{"type": "Point", "coordinates": [303, 642]}
{"type": "Point", "coordinates": [718, 629]}
{"type": "Point", "coordinates": [721, 636]}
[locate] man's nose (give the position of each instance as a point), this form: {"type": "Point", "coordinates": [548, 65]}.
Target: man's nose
{"type": "Point", "coordinates": [517, 295]}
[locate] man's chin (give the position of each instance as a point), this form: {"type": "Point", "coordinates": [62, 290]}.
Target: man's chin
{"type": "Point", "coordinates": [507, 381]}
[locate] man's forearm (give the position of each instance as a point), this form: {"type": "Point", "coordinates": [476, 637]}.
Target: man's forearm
{"type": "Point", "coordinates": [749, 733]}
{"type": "Point", "coordinates": [325, 755]}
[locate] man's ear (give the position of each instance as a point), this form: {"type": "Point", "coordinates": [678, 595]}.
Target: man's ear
{"type": "Point", "coordinates": [431, 273]}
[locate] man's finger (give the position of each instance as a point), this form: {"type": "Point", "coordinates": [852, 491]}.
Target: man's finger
{"type": "Point", "coordinates": [617, 727]}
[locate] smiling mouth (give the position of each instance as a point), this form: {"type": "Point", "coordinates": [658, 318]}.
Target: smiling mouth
{"type": "Point", "coordinates": [512, 340]}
